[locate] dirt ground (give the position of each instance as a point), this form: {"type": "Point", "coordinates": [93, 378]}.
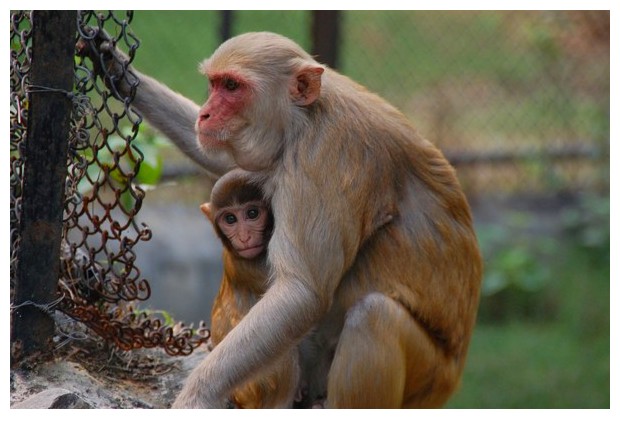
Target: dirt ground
{"type": "Point", "coordinates": [84, 374]}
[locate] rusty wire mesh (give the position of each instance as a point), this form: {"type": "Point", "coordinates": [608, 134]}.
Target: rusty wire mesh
{"type": "Point", "coordinates": [21, 42]}
{"type": "Point", "coordinates": [99, 279]}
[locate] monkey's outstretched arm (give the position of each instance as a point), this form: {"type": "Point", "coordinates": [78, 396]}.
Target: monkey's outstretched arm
{"type": "Point", "coordinates": [171, 113]}
{"type": "Point", "coordinates": [271, 328]}
{"type": "Point", "coordinates": [175, 116]}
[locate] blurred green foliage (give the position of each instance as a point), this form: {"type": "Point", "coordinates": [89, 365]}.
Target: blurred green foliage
{"type": "Point", "coordinates": [399, 53]}
{"type": "Point", "coordinates": [521, 265]}
{"type": "Point", "coordinates": [588, 226]}
{"type": "Point", "coordinates": [543, 335]}
{"type": "Point", "coordinates": [515, 280]}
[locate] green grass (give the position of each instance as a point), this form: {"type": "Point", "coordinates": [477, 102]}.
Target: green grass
{"type": "Point", "coordinates": [561, 362]}
{"type": "Point", "coordinates": [526, 365]}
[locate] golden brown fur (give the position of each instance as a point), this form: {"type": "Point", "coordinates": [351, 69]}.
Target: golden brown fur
{"type": "Point", "coordinates": [396, 305]}
{"type": "Point", "coordinates": [244, 281]}
{"type": "Point", "coordinates": [374, 265]}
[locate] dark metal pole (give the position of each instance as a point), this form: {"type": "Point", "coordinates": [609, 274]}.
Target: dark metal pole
{"type": "Point", "coordinates": [226, 25]}
{"type": "Point", "coordinates": [326, 36]}
{"type": "Point", "coordinates": [45, 168]}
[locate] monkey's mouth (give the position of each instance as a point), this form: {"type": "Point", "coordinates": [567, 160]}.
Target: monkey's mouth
{"type": "Point", "coordinates": [213, 139]}
{"type": "Point", "coordinates": [251, 252]}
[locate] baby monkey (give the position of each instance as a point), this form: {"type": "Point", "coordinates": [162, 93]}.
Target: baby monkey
{"type": "Point", "coordinates": [244, 222]}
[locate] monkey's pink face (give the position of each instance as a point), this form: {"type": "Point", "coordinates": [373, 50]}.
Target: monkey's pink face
{"type": "Point", "coordinates": [245, 226]}
{"type": "Point", "coordinates": [220, 118]}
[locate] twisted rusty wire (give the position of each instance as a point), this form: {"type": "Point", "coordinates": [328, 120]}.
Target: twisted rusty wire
{"type": "Point", "coordinates": [99, 276]}
{"type": "Point", "coordinates": [21, 58]}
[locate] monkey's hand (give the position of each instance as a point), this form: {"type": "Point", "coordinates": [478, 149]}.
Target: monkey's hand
{"type": "Point", "coordinates": [109, 63]}
{"type": "Point", "coordinates": [193, 396]}
{"type": "Point", "coordinates": [201, 389]}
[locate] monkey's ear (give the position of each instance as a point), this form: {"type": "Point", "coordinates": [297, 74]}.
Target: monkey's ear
{"type": "Point", "coordinates": [206, 209]}
{"type": "Point", "coordinates": [306, 85]}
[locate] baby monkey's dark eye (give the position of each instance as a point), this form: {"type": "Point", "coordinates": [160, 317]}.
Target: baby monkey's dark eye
{"type": "Point", "coordinates": [230, 219]}
{"type": "Point", "coordinates": [253, 213]}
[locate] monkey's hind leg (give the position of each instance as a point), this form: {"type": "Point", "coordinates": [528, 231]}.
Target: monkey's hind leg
{"type": "Point", "coordinates": [384, 359]}
{"type": "Point", "coordinates": [277, 387]}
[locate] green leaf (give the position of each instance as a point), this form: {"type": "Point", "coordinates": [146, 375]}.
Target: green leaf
{"type": "Point", "coordinates": [151, 166]}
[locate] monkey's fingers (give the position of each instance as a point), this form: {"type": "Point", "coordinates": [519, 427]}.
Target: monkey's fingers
{"type": "Point", "coordinates": [109, 63]}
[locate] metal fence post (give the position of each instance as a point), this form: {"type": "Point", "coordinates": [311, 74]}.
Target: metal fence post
{"type": "Point", "coordinates": [45, 168]}
{"type": "Point", "coordinates": [326, 36]}
{"type": "Point", "coordinates": [226, 23]}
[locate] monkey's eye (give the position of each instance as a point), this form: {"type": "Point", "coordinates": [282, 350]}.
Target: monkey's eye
{"type": "Point", "coordinates": [253, 213]}
{"type": "Point", "coordinates": [231, 84]}
{"type": "Point", "coordinates": [230, 219]}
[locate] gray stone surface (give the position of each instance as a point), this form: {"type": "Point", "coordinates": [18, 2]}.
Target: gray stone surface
{"type": "Point", "coordinates": [54, 398]}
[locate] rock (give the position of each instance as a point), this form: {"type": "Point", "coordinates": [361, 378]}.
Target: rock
{"type": "Point", "coordinates": [143, 379]}
{"type": "Point", "coordinates": [54, 398]}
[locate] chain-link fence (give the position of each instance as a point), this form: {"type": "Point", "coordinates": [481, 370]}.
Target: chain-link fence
{"type": "Point", "coordinates": [518, 101]}
{"type": "Point", "coordinates": [98, 279]}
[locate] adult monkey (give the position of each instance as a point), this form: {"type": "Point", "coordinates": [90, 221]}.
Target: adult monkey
{"type": "Point", "coordinates": [390, 309]}
{"type": "Point", "coordinates": [242, 219]}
